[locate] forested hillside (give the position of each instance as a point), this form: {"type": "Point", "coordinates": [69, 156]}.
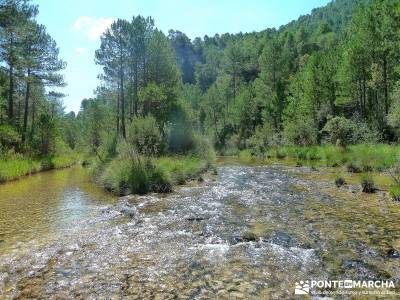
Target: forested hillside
{"type": "Point", "coordinates": [331, 76]}
{"type": "Point", "coordinates": [338, 65]}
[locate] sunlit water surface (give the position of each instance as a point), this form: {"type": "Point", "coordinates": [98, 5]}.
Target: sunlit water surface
{"type": "Point", "coordinates": [250, 233]}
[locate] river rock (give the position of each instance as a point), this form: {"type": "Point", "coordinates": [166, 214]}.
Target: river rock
{"type": "Point", "coordinates": [129, 211]}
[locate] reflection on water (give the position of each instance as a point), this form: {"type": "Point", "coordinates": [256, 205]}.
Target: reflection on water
{"type": "Point", "coordinates": [249, 235]}
{"type": "Point", "coordinates": [45, 204]}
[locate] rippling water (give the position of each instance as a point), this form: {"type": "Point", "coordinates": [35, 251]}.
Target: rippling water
{"type": "Point", "coordinates": [250, 233]}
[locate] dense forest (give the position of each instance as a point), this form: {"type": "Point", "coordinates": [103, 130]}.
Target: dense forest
{"type": "Point", "coordinates": [329, 77]}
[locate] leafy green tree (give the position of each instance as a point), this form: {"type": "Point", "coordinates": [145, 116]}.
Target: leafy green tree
{"type": "Point", "coordinates": [14, 16]}
{"type": "Point", "coordinates": [112, 56]}
{"type": "Point", "coordinates": [41, 64]}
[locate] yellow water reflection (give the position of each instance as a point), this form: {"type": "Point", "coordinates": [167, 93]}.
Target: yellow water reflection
{"type": "Point", "coordinates": [45, 203]}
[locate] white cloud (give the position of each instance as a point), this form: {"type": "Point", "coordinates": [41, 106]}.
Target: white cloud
{"type": "Point", "coordinates": [80, 50]}
{"type": "Point", "coordinates": [93, 27]}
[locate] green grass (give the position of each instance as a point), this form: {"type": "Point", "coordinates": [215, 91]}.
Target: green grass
{"type": "Point", "coordinates": [245, 157]}
{"type": "Point", "coordinates": [373, 160]}
{"type": "Point", "coordinates": [140, 175]}
{"type": "Point", "coordinates": [366, 158]}
{"type": "Point", "coordinates": [394, 191]}
{"type": "Point", "coordinates": [13, 168]}
{"type": "Point", "coordinates": [182, 168]}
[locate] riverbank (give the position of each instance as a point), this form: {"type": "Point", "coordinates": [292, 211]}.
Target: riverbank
{"type": "Point", "coordinates": [356, 158]}
{"type": "Point", "coordinates": [374, 165]}
{"type": "Point", "coordinates": [17, 167]}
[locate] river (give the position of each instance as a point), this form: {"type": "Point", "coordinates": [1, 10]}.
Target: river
{"type": "Point", "coordinates": [247, 233]}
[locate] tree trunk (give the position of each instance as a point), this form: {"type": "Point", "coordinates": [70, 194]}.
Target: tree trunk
{"type": "Point", "coordinates": [26, 108]}
{"type": "Point", "coordinates": [118, 95]}
{"type": "Point", "coordinates": [11, 94]}
{"type": "Point", "coordinates": [33, 118]}
{"type": "Point", "coordinates": [122, 92]}
{"type": "Point", "coordinates": [385, 85]}
{"type": "Point", "coordinates": [136, 87]}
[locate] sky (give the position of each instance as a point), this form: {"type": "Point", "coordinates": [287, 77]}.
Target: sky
{"type": "Point", "coordinates": [76, 26]}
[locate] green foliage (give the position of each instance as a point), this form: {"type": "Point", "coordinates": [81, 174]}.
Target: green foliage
{"type": "Point", "coordinates": [394, 191]}
{"type": "Point", "coordinates": [339, 181]}
{"type": "Point", "coordinates": [300, 131]}
{"type": "Point", "coordinates": [262, 140]}
{"type": "Point", "coordinates": [9, 137]}
{"type": "Point", "coordinates": [182, 169]}
{"type": "Point", "coordinates": [368, 183]}
{"type": "Point", "coordinates": [143, 134]}
{"type": "Point", "coordinates": [359, 158]}
{"type": "Point", "coordinates": [132, 173]}
{"type": "Point", "coordinates": [245, 157]}
{"type": "Point", "coordinates": [340, 131]}
{"type": "Point", "coordinates": [16, 166]}
{"type": "Point", "coordinates": [394, 113]}
{"type": "Point", "coordinates": [203, 148]}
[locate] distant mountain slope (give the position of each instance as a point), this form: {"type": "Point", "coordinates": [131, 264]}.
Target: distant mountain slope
{"type": "Point", "coordinates": [337, 14]}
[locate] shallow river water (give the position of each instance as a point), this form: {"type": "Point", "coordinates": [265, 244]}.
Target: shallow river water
{"type": "Point", "coordinates": [248, 233]}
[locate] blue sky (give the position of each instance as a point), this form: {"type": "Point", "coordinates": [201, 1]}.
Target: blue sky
{"type": "Point", "coordinates": [77, 24]}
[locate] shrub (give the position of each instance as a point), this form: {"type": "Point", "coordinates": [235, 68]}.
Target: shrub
{"type": "Point", "coordinates": [144, 135]}
{"type": "Point", "coordinates": [131, 173]}
{"type": "Point", "coordinates": [367, 184]}
{"type": "Point", "coordinates": [245, 156]}
{"type": "Point", "coordinates": [280, 153]}
{"type": "Point", "coordinates": [301, 131]}
{"type": "Point", "coordinates": [363, 134]}
{"type": "Point", "coordinates": [203, 148]}
{"type": "Point", "coordinates": [9, 137]}
{"type": "Point", "coordinates": [262, 139]}
{"type": "Point", "coordinates": [340, 131]}
{"type": "Point", "coordinates": [181, 169]}
{"type": "Point", "coordinates": [232, 145]}
{"type": "Point", "coordinates": [353, 168]}
{"type": "Point", "coordinates": [116, 176]}
{"type": "Point", "coordinates": [394, 192]}
{"type": "Point", "coordinates": [339, 181]}
{"type": "Point", "coordinates": [394, 113]}
{"type": "Point", "coordinates": [160, 181]}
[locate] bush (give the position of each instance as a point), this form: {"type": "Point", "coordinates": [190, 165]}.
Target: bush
{"type": "Point", "coordinates": [116, 176]}
{"type": "Point", "coordinates": [363, 134]}
{"type": "Point", "coordinates": [394, 113]}
{"type": "Point", "coordinates": [339, 181]}
{"type": "Point", "coordinates": [181, 169]}
{"type": "Point", "coordinates": [232, 145]}
{"type": "Point", "coordinates": [367, 184]}
{"type": "Point", "coordinates": [143, 134]}
{"type": "Point", "coordinates": [160, 181]}
{"type": "Point", "coordinates": [245, 156]}
{"type": "Point", "coordinates": [262, 139]}
{"type": "Point", "coordinates": [9, 137]}
{"type": "Point", "coordinates": [340, 131]}
{"type": "Point", "coordinates": [394, 192]}
{"type": "Point", "coordinates": [353, 168]}
{"type": "Point", "coordinates": [203, 148]}
{"type": "Point", "coordinates": [131, 173]}
{"type": "Point", "coordinates": [301, 131]}
{"type": "Point", "coordinates": [280, 153]}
